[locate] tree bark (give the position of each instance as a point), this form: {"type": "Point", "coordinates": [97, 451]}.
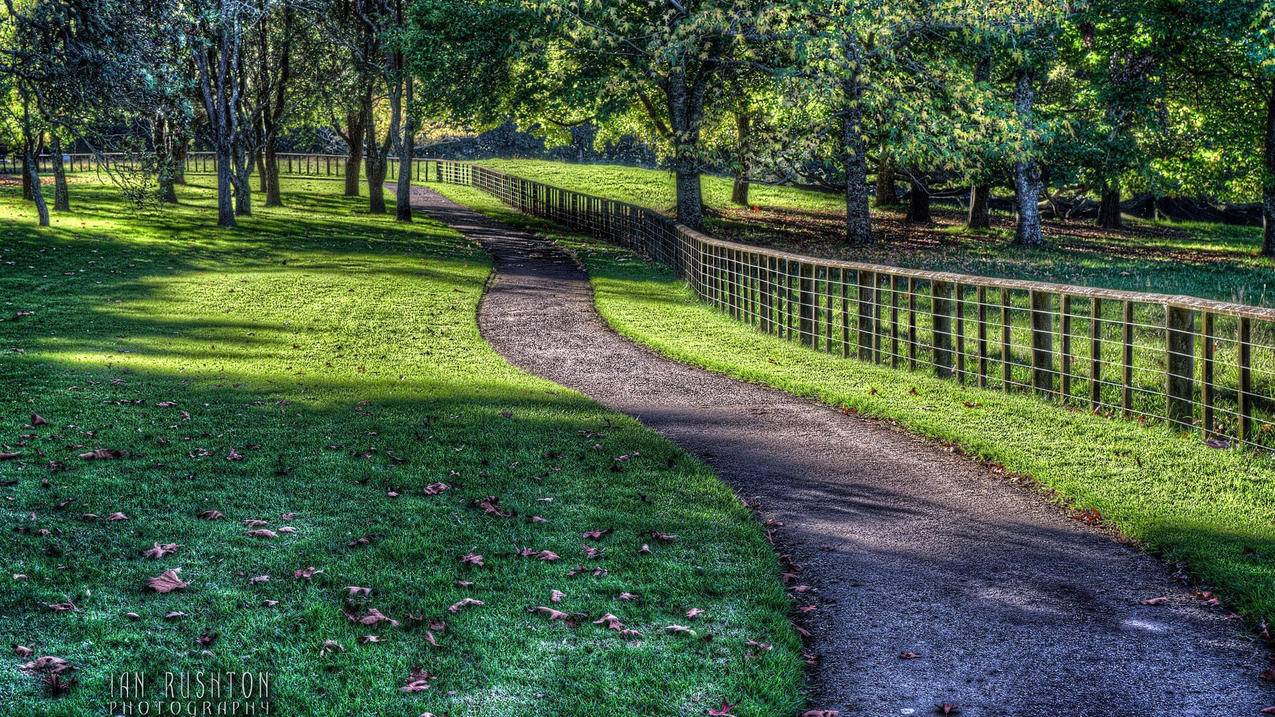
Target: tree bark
{"type": "Point", "coordinates": [1027, 184]}
{"type": "Point", "coordinates": [165, 155]}
{"type": "Point", "coordinates": [274, 195]}
{"type": "Point", "coordinates": [1268, 183]}
{"type": "Point", "coordinates": [1109, 207]}
{"type": "Point", "coordinates": [260, 160]}
{"type": "Point", "coordinates": [354, 158]}
{"type": "Point", "coordinates": [980, 207]}
{"type": "Point", "coordinates": [406, 148]}
{"type": "Point", "coordinates": [37, 193]}
{"type": "Point", "coordinates": [179, 161]}
{"type": "Point", "coordinates": [886, 178]}
{"type": "Point", "coordinates": [61, 194]}
{"type": "Point", "coordinates": [854, 153]}
{"type": "Point", "coordinates": [375, 168]}
{"type": "Point", "coordinates": [918, 201]}
{"type": "Point", "coordinates": [26, 176]}
{"type": "Point", "coordinates": [739, 189]}
{"type": "Point", "coordinates": [684, 109]}
{"type": "Point", "coordinates": [225, 208]}
{"type": "Point", "coordinates": [243, 188]}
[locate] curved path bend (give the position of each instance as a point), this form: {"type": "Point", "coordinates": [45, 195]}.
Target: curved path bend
{"type": "Point", "coordinates": [1014, 609]}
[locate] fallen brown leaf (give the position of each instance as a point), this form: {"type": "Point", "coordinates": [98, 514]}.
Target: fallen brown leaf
{"type": "Point", "coordinates": [167, 582]}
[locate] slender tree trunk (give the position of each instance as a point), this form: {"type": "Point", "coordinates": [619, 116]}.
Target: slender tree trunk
{"type": "Point", "coordinates": [61, 193]}
{"type": "Point", "coordinates": [886, 178]}
{"type": "Point", "coordinates": [1268, 184]}
{"type": "Point", "coordinates": [1027, 184]}
{"type": "Point", "coordinates": [1109, 207]}
{"type": "Point", "coordinates": [406, 148]}
{"type": "Point", "coordinates": [225, 190]}
{"type": "Point", "coordinates": [980, 207]}
{"type": "Point", "coordinates": [179, 162]}
{"type": "Point", "coordinates": [262, 182]}
{"type": "Point", "coordinates": [37, 192]}
{"type": "Point", "coordinates": [270, 162]}
{"type": "Point", "coordinates": [26, 175]}
{"type": "Point", "coordinates": [354, 158]}
{"type": "Point", "coordinates": [918, 200]}
{"type": "Point", "coordinates": [243, 189]}
{"type": "Point", "coordinates": [165, 154]}
{"type": "Point", "coordinates": [739, 189]}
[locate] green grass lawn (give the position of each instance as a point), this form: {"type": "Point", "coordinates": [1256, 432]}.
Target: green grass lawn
{"type": "Point", "coordinates": [317, 369]}
{"type": "Point", "coordinates": [1212, 509]}
{"type": "Point", "coordinates": [1211, 261]}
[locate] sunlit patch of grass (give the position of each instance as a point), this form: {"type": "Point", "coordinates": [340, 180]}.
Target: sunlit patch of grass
{"type": "Point", "coordinates": [338, 354]}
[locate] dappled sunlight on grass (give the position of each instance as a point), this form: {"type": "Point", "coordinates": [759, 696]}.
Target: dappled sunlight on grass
{"type": "Point", "coordinates": [324, 364]}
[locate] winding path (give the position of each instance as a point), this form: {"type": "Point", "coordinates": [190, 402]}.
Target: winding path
{"type": "Point", "coordinates": [1013, 608]}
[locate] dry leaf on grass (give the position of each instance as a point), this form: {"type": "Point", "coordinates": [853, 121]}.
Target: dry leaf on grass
{"type": "Point", "coordinates": [167, 582]}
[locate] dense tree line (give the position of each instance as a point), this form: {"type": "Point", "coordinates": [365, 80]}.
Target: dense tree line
{"type": "Point", "coordinates": [1043, 100]}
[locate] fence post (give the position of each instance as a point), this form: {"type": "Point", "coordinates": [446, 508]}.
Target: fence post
{"type": "Point", "coordinates": [867, 282]}
{"type": "Point", "coordinates": [1126, 397]}
{"type": "Point", "coordinates": [1042, 307]}
{"type": "Point", "coordinates": [1007, 346]}
{"type": "Point", "coordinates": [911, 286]}
{"type": "Point", "coordinates": [941, 327]}
{"type": "Point", "coordinates": [1246, 379]}
{"type": "Point", "coordinates": [981, 298]}
{"type": "Point", "coordinates": [807, 303]}
{"type": "Point", "coordinates": [1095, 354]}
{"type": "Point", "coordinates": [845, 314]}
{"type": "Point", "coordinates": [1064, 331]}
{"type": "Point", "coordinates": [894, 321]}
{"type": "Point", "coordinates": [1206, 387]}
{"type": "Point", "coordinates": [961, 373]}
{"type": "Point", "coordinates": [1181, 364]}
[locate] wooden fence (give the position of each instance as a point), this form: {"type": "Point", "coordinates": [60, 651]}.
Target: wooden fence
{"type": "Point", "coordinates": [1194, 364]}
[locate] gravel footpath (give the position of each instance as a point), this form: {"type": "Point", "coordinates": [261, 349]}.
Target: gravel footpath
{"type": "Point", "coordinates": [1012, 608]}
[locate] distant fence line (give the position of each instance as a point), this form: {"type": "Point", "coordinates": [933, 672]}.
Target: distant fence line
{"type": "Point", "coordinates": [291, 164]}
{"type": "Point", "coordinates": [1196, 364]}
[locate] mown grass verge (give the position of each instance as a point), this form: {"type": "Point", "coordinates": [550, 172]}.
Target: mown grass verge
{"type": "Point", "coordinates": [1213, 510]}
{"type": "Point", "coordinates": [317, 369]}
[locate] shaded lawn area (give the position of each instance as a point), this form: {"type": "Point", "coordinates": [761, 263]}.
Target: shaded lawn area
{"type": "Point", "coordinates": [317, 369]}
{"type": "Point", "coordinates": [1212, 261]}
{"type": "Point", "coordinates": [1212, 510]}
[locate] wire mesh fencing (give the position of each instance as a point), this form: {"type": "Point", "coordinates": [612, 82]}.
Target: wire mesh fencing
{"type": "Point", "coordinates": [1195, 364]}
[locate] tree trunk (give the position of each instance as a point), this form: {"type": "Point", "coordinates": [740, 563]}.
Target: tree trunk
{"type": "Point", "coordinates": [243, 188]}
{"type": "Point", "coordinates": [263, 184]}
{"type": "Point", "coordinates": [1027, 184]}
{"type": "Point", "coordinates": [26, 176]}
{"type": "Point", "coordinates": [179, 162]}
{"type": "Point", "coordinates": [918, 201]}
{"type": "Point", "coordinates": [274, 196]}
{"type": "Point", "coordinates": [739, 189]}
{"type": "Point", "coordinates": [1109, 208]}
{"type": "Point", "coordinates": [61, 194]}
{"type": "Point", "coordinates": [1268, 183]}
{"type": "Point", "coordinates": [854, 156]}
{"type": "Point", "coordinates": [37, 193]}
{"type": "Point", "coordinates": [406, 148]}
{"type": "Point", "coordinates": [886, 195]}
{"type": "Point", "coordinates": [354, 158]}
{"type": "Point", "coordinates": [225, 190]}
{"type": "Point", "coordinates": [690, 198]}
{"type": "Point", "coordinates": [980, 207]}
{"type": "Point", "coordinates": [165, 155]}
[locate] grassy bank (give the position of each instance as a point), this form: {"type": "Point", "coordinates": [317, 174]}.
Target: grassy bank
{"type": "Point", "coordinates": [316, 370]}
{"type": "Point", "coordinates": [1212, 261]}
{"type": "Point", "coordinates": [1212, 509]}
